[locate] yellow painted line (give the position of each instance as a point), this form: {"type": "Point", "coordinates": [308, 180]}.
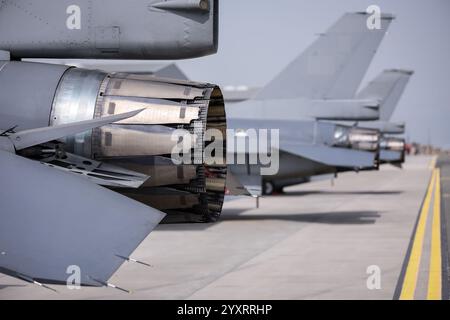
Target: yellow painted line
{"type": "Point", "coordinates": [432, 163]}
{"type": "Point", "coordinates": [435, 275]}
{"type": "Point", "coordinates": [412, 269]}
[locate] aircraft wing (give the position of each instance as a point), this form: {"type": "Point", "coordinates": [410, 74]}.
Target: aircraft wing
{"type": "Point", "coordinates": [51, 220]}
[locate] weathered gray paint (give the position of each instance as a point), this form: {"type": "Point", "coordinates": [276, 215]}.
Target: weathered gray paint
{"type": "Point", "coordinates": [52, 220]}
{"type": "Point", "coordinates": [108, 29]}
{"type": "Point", "coordinates": [26, 93]}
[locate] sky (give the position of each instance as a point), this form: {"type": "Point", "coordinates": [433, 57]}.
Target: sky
{"type": "Point", "coordinates": [258, 38]}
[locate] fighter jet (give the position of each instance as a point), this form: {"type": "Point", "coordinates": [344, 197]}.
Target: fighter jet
{"type": "Point", "coordinates": [318, 86]}
{"type": "Point", "coordinates": [387, 88]}
{"type": "Point", "coordinates": [85, 154]}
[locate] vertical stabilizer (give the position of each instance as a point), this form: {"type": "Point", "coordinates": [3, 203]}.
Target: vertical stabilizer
{"type": "Point", "coordinates": [335, 63]}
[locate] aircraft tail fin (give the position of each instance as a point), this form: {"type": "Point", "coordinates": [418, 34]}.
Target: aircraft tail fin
{"type": "Point", "coordinates": [333, 66]}
{"type": "Point", "coordinates": [387, 88]}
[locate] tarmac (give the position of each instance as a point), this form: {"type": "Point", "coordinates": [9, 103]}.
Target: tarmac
{"type": "Point", "coordinates": [367, 235]}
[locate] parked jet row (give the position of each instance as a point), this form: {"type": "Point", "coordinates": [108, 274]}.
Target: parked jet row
{"type": "Point", "coordinates": [88, 154]}
{"type": "Point", "coordinates": [386, 89]}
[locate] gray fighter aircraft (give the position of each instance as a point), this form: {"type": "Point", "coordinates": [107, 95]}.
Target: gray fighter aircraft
{"type": "Point", "coordinates": [319, 85]}
{"type": "Point", "coordinates": [387, 88]}
{"type": "Point", "coordinates": [85, 154]}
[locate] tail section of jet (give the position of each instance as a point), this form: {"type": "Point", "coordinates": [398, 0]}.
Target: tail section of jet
{"type": "Point", "coordinates": [333, 66]}
{"type": "Point", "coordinates": [387, 88]}
{"type": "Point", "coordinates": [305, 147]}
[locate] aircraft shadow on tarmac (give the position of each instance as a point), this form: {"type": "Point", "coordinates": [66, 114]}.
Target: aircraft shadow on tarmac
{"type": "Point", "coordinates": [337, 217]}
{"type": "Point", "coordinates": [317, 192]}
{"type": "Point", "coordinates": [4, 286]}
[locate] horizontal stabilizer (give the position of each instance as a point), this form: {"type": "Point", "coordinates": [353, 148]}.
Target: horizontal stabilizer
{"type": "Point", "coordinates": [387, 88]}
{"type": "Point", "coordinates": [331, 156]}
{"type": "Point", "coordinates": [384, 127]}
{"type": "Point", "coordinates": [54, 223]}
{"type": "Point", "coordinates": [300, 109]}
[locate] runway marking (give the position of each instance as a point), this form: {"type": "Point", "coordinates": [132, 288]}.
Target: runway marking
{"type": "Point", "coordinates": [435, 273]}
{"type": "Point", "coordinates": [412, 270]}
{"type": "Point", "coordinates": [432, 164]}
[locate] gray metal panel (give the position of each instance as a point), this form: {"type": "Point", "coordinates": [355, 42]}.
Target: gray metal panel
{"type": "Point", "coordinates": [75, 100]}
{"type": "Point", "coordinates": [298, 109]}
{"type": "Point", "coordinates": [51, 220]}
{"type": "Point", "coordinates": [107, 29]}
{"type": "Point", "coordinates": [385, 127]}
{"type": "Point", "coordinates": [334, 65]}
{"type": "Point", "coordinates": [388, 87]}
{"type": "Point", "coordinates": [97, 172]}
{"type": "Point", "coordinates": [26, 93]}
{"type": "Point", "coordinates": [302, 131]}
{"type": "Point", "coordinates": [161, 69]}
